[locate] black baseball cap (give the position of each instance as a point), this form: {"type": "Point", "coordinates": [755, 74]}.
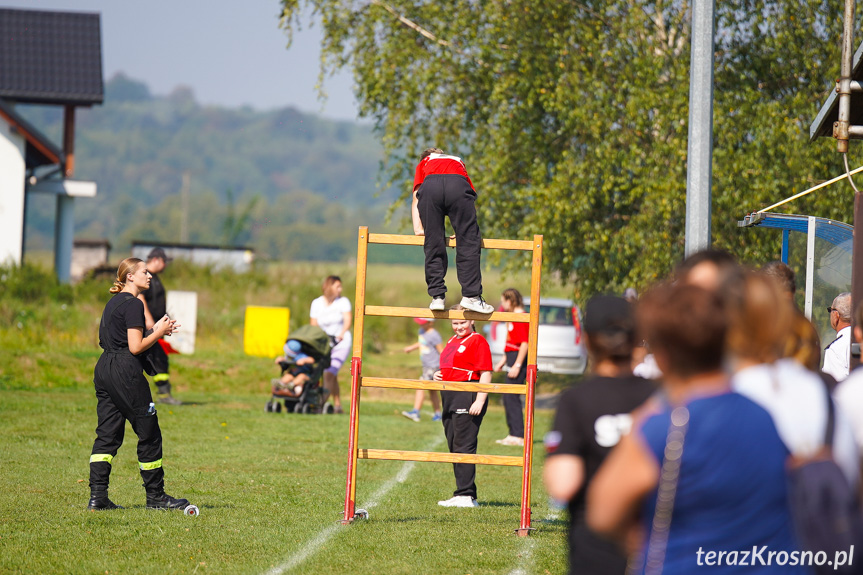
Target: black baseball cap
{"type": "Point", "coordinates": [608, 314]}
{"type": "Point", "coordinates": [158, 253]}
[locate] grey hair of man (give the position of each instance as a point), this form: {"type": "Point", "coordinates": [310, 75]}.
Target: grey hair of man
{"type": "Point", "coordinates": [842, 305]}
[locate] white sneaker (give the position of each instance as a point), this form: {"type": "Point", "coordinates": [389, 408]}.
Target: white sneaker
{"type": "Point", "coordinates": [437, 304]}
{"type": "Point", "coordinates": [511, 440]}
{"type": "Point", "coordinates": [459, 501]}
{"type": "Point", "coordinates": [413, 415]}
{"type": "Point", "coordinates": [476, 304]}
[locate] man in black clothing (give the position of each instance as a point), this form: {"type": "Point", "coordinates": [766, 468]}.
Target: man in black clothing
{"type": "Point", "coordinates": [591, 418]}
{"type": "Point", "coordinates": [155, 307]}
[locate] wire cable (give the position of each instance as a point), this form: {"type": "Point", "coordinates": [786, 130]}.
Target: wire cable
{"type": "Point", "coordinates": [847, 174]}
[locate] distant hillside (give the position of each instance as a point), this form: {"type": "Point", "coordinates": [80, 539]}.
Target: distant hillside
{"type": "Point", "coordinates": [292, 185]}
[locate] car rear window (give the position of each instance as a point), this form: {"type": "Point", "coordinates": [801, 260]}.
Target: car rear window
{"type": "Point", "coordinates": [553, 315]}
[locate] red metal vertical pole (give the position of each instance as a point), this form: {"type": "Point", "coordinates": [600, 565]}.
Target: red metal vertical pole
{"type": "Point", "coordinates": [527, 465]}
{"type": "Point", "coordinates": [356, 373]}
{"type": "Point", "coordinates": [351, 482]}
{"type": "Point", "coordinates": [530, 381]}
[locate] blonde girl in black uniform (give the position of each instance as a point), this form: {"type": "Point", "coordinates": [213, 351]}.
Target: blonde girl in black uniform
{"type": "Point", "coordinates": [123, 392]}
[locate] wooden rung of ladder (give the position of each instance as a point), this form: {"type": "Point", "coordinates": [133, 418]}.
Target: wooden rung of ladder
{"type": "Point", "coordinates": [391, 383]}
{"type": "Point", "coordinates": [388, 311]}
{"type": "Point", "coordinates": [396, 240]}
{"type": "Point", "coordinates": [436, 456]}
{"type": "Point", "coordinates": [358, 381]}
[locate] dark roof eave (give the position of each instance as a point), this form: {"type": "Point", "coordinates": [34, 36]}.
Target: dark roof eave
{"type": "Point", "coordinates": [59, 100]}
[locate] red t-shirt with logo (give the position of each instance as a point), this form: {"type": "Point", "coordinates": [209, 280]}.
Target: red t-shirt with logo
{"type": "Point", "coordinates": [517, 333]}
{"type": "Point", "coordinates": [464, 359]}
{"type": "Point", "coordinates": [440, 164]}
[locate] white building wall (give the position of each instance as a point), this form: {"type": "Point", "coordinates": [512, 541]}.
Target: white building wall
{"type": "Point", "coordinates": [12, 172]}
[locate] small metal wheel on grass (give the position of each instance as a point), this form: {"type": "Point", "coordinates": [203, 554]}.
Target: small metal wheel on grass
{"type": "Point", "coordinates": [329, 409]}
{"type": "Point", "coordinates": [191, 511]}
{"type": "Point", "coordinates": [270, 407]}
{"type": "Point", "coordinates": [361, 514]}
{"type": "Point", "coordinates": [278, 407]}
{"type": "Point", "coordinates": [307, 408]}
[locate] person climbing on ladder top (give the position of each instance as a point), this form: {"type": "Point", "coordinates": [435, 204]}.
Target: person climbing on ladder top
{"type": "Point", "coordinates": [443, 188]}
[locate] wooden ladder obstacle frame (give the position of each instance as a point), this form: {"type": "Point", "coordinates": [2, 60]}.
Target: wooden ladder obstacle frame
{"type": "Point", "coordinates": [357, 380]}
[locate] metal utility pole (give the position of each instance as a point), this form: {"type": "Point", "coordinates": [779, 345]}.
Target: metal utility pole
{"type": "Point", "coordinates": [64, 226]}
{"type": "Point", "coordinates": [842, 132]}
{"type": "Point", "coordinates": [699, 171]}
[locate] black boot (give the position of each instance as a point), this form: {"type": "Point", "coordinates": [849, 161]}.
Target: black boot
{"type": "Point", "coordinates": [99, 501]}
{"type": "Point", "coordinates": [164, 501]}
{"type": "Point", "coordinates": [163, 393]}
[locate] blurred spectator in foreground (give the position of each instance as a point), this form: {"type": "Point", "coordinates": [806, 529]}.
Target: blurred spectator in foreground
{"type": "Point", "coordinates": [713, 270]}
{"type": "Point", "coordinates": [837, 353]}
{"type": "Point", "coordinates": [784, 277]}
{"type": "Point", "coordinates": [704, 466]}
{"type": "Point", "coordinates": [794, 396]}
{"type": "Point", "coordinates": [803, 345]}
{"type": "Point", "coordinates": [849, 393]}
{"type": "Point", "coordinates": [639, 352]}
{"type": "Point", "coordinates": [591, 418]}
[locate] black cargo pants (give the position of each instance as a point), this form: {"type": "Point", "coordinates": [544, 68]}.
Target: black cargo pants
{"type": "Point", "coordinates": [462, 436]}
{"type": "Point", "coordinates": [123, 393]}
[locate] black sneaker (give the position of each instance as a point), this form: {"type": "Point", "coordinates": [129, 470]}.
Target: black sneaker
{"type": "Point", "coordinates": [165, 501]}
{"type": "Point", "coordinates": [100, 502]}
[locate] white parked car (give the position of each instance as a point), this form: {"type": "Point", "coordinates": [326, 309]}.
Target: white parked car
{"type": "Point", "coordinates": [560, 346]}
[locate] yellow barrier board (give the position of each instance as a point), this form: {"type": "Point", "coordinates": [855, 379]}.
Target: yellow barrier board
{"type": "Point", "coordinates": [265, 331]}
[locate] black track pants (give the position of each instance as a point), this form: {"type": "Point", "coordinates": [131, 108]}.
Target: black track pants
{"type": "Point", "coordinates": [123, 393]}
{"type": "Point", "coordinates": [439, 196]}
{"type": "Point", "coordinates": [462, 431]}
{"type": "Point", "coordinates": [511, 401]}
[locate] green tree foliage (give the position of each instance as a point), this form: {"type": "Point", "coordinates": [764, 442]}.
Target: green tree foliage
{"type": "Point", "coordinates": [572, 115]}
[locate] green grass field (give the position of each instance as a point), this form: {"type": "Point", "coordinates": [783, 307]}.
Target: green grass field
{"type": "Point", "coordinates": [270, 486]}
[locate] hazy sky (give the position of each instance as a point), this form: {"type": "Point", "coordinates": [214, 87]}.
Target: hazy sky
{"type": "Point", "coordinates": [231, 52]}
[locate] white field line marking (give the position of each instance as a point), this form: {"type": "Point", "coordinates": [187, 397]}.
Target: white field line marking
{"type": "Point", "coordinates": [330, 531]}
{"type": "Point", "coordinates": [525, 560]}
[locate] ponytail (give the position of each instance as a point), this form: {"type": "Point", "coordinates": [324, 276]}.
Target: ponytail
{"type": "Point", "coordinates": [127, 266]}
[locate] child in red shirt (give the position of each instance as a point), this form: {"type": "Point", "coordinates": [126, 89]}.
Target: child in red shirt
{"type": "Point", "coordinates": [443, 188]}
{"type": "Point", "coordinates": [466, 357]}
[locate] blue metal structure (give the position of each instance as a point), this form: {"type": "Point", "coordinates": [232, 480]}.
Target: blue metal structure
{"type": "Point", "coordinates": [835, 232]}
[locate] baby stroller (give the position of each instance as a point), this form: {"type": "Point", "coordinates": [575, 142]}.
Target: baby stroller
{"type": "Point", "coordinates": [312, 399]}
